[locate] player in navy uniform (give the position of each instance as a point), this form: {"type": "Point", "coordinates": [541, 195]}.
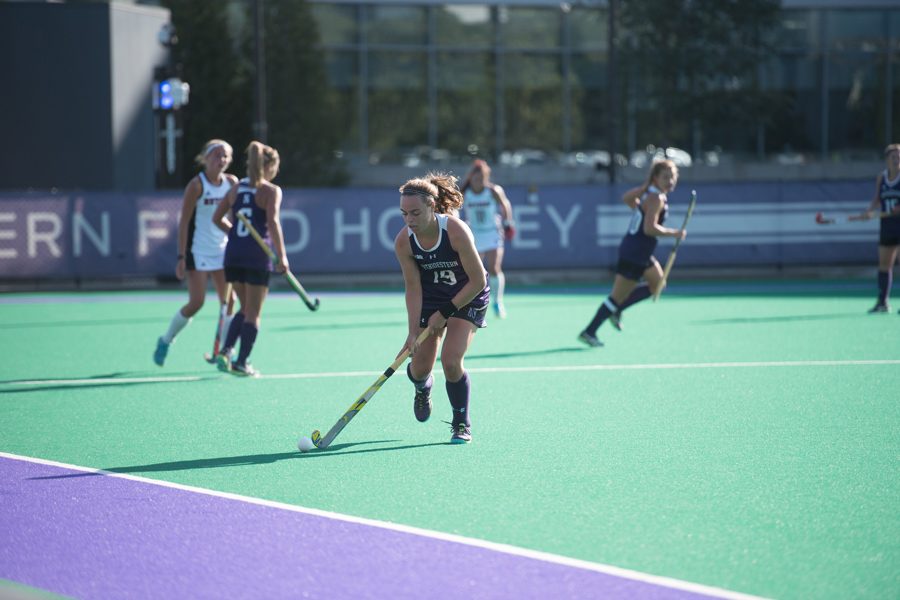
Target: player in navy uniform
{"type": "Point", "coordinates": [489, 215]}
{"type": "Point", "coordinates": [887, 201]}
{"type": "Point", "coordinates": [650, 208]}
{"type": "Point", "coordinates": [201, 245]}
{"type": "Point", "coordinates": [446, 292]}
{"type": "Point", "coordinates": [247, 266]}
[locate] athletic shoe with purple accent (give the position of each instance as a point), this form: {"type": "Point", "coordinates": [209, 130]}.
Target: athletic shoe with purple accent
{"type": "Point", "coordinates": [162, 349]}
{"type": "Point", "coordinates": [585, 338]}
{"type": "Point", "coordinates": [461, 434]}
{"type": "Point", "coordinates": [422, 405]}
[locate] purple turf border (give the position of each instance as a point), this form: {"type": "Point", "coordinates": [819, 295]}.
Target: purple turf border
{"type": "Point", "coordinates": [91, 535]}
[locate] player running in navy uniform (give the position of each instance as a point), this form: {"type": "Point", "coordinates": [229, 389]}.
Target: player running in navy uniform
{"type": "Point", "coordinates": [650, 208]}
{"type": "Point", "coordinates": [887, 200]}
{"type": "Point", "coordinates": [201, 245]}
{"type": "Point", "coordinates": [446, 291]}
{"type": "Point", "coordinates": [247, 266]}
{"type": "Point", "coordinates": [489, 215]}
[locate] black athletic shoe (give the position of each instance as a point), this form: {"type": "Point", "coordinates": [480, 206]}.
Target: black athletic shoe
{"type": "Point", "coordinates": [879, 308]}
{"type": "Point", "coordinates": [461, 434]}
{"type": "Point", "coordinates": [422, 405]}
{"type": "Point", "coordinates": [616, 320]}
{"type": "Point", "coordinates": [585, 338]}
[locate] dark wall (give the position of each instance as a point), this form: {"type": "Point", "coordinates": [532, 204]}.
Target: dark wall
{"type": "Point", "coordinates": [69, 119]}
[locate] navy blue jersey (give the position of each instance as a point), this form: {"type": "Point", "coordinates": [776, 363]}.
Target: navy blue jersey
{"type": "Point", "coordinates": [889, 196]}
{"type": "Point", "coordinates": [242, 249]}
{"type": "Point", "coordinates": [441, 271]}
{"type": "Point", "coordinates": [637, 247]}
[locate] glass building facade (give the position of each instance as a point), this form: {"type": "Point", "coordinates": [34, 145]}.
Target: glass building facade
{"type": "Point", "coordinates": [530, 82]}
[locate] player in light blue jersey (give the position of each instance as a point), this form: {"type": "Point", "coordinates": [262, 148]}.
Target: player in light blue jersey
{"type": "Point", "coordinates": [446, 292]}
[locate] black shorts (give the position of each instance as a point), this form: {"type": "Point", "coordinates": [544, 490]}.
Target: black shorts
{"type": "Point", "coordinates": [189, 264]}
{"type": "Point", "coordinates": [248, 276]}
{"type": "Point", "coordinates": [472, 312]}
{"type": "Point", "coordinates": [889, 238]}
{"type": "Point", "coordinates": [632, 270]}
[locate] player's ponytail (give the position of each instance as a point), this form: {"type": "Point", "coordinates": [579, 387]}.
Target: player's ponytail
{"type": "Point", "coordinates": [262, 163]}
{"type": "Point", "coordinates": [449, 199]}
{"type": "Point", "coordinates": [438, 188]}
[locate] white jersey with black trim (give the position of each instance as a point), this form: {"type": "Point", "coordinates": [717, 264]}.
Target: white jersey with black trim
{"type": "Point", "coordinates": [482, 215]}
{"type": "Point", "coordinates": [209, 240]}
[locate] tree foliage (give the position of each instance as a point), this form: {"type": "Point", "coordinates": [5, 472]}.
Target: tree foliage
{"type": "Point", "coordinates": [697, 61]}
{"type": "Point", "coordinates": [216, 51]}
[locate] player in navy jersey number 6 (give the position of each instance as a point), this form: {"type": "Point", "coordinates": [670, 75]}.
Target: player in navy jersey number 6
{"type": "Point", "coordinates": [446, 292]}
{"type": "Point", "coordinates": [650, 207]}
{"type": "Point", "coordinates": [247, 266]}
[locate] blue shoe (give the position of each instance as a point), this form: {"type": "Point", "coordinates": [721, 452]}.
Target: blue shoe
{"type": "Point", "coordinates": [223, 363]}
{"type": "Point", "coordinates": [585, 338]}
{"type": "Point", "coordinates": [162, 349]}
{"type": "Point", "coordinates": [500, 310]}
{"type": "Point", "coordinates": [461, 434]}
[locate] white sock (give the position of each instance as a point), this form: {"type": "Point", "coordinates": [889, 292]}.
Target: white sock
{"type": "Point", "coordinates": [498, 283]}
{"type": "Point", "coordinates": [179, 322]}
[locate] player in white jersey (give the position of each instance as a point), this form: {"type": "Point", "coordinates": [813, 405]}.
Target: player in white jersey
{"type": "Point", "coordinates": [489, 215]}
{"type": "Point", "coordinates": [201, 244]}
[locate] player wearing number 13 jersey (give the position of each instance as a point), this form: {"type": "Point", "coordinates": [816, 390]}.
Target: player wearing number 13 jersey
{"type": "Point", "coordinates": [446, 292]}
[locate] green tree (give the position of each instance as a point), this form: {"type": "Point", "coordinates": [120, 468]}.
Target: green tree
{"type": "Point", "coordinates": [697, 63]}
{"type": "Point", "coordinates": [211, 61]}
{"type": "Point", "coordinates": [302, 124]}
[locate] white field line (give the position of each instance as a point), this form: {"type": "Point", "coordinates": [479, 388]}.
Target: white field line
{"type": "Point", "coordinates": [427, 533]}
{"type": "Point", "coordinates": [536, 369]}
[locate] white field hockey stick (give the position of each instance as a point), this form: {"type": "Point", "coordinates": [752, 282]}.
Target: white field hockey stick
{"type": "Point", "coordinates": [311, 304]}
{"type": "Point", "coordinates": [671, 260]}
{"type": "Point", "coordinates": [223, 314]}
{"type": "Point", "coordinates": [324, 442]}
{"type": "Point", "coordinates": [823, 220]}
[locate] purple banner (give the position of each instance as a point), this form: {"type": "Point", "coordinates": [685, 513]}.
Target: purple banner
{"type": "Point", "coordinates": [351, 230]}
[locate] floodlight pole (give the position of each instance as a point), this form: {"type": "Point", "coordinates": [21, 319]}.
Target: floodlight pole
{"type": "Point", "coordinates": [261, 125]}
{"type": "Point", "coordinates": [613, 91]}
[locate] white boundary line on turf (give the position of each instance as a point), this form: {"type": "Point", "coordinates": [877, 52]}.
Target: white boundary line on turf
{"type": "Point", "coordinates": [633, 367]}
{"type": "Point", "coordinates": [428, 533]}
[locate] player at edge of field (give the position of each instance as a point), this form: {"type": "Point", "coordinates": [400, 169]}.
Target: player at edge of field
{"type": "Point", "coordinates": [488, 213]}
{"type": "Point", "coordinates": [446, 293]}
{"type": "Point", "coordinates": [247, 266]}
{"type": "Point", "coordinates": [201, 245]}
{"type": "Point", "coordinates": [887, 201]}
{"type": "Point", "coordinates": [650, 207]}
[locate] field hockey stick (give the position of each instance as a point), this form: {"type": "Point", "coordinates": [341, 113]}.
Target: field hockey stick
{"type": "Point", "coordinates": [311, 304]}
{"type": "Point", "coordinates": [671, 260]}
{"type": "Point", "coordinates": [823, 220]}
{"type": "Point", "coordinates": [324, 442]}
{"type": "Point", "coordinates": [223, 314]}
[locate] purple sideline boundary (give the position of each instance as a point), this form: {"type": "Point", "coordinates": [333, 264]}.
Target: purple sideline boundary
{"type": "Point", "coordinates": [90, 535]}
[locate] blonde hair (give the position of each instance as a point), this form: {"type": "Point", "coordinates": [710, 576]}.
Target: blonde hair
{"type": "Point", "coordinates": [262, 163]}
{"type": "Point", "coordinates": [658, 167]}
{"type": "Point", "coordinates": [211, 145]}
{"type": "Point", "coordinates": [890, 148]}
{"type": "Point", "coordinates": [439, 188]}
